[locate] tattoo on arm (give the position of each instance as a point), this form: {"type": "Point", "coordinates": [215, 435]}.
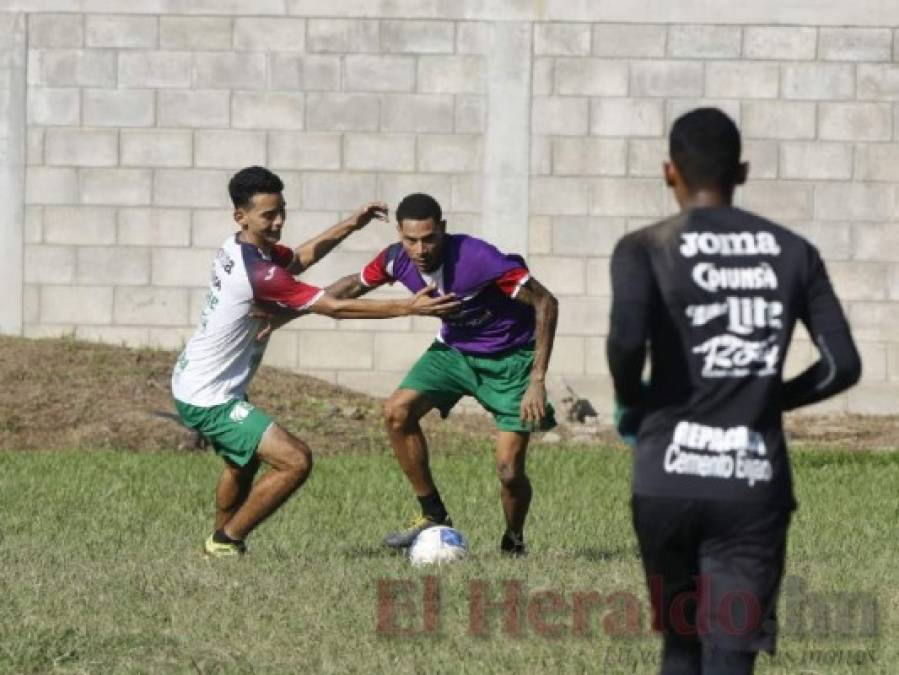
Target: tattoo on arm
{"type": "Point", "coordinates": [546, 308]}
{"type": "Point", "coordinates": [347, 287]}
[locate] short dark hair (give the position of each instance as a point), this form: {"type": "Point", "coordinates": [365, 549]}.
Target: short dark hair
{"type": "Point", "coordinates": [419, 206]}
{"type": "Point", "coordinates": [705, 147]}
{"type": "Point", "coordinates": [251, 181]}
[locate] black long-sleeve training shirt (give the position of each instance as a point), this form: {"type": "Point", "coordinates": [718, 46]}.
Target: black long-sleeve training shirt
{"type": "Point", "coordinates": [714, 294]}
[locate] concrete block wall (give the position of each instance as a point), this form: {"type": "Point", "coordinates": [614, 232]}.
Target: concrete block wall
{"type": "Point", "coordinates": [817, 109]}
{"type": "Point", "coordinates": [13, 143]}
{"type": "Point", "coordinates": [134, 122]}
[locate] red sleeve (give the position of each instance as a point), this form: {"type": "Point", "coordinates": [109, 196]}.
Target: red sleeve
{"type": "Point", "coordinates": [282, 255]}
{"type": "Point", "coordinates": [272, 283]}
{"type": "Point", "coordinates": [377, 272]}
{"type": "Point", "coordinates": [510, 282]}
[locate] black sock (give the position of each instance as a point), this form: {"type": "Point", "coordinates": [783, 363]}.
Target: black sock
{"type": "Point", "coordinates": [219, 537]}
{"type": "Point", "coordinates": [432, 507]}
{"type": "Point", "coordinates": [724, 662]}
{"type": "Point", "coordinates": [513, 536]}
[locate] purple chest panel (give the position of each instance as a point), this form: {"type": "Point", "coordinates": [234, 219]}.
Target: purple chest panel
{"type": "Point", "coordinates": [489, 321]}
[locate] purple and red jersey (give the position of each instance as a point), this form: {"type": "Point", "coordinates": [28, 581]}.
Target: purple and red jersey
{"type": "Point", "coordinates": [483, 279]}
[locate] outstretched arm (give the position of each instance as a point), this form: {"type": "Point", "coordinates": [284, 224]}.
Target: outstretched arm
{"type": "Point", "coordinates": [310, 252]}
{"type": "Point", "coordinates": [546, 310]}
{"type": "Point", "coordinates": [421, 304]}
{"type": "Point", "coordinates": [345, 288]}
{"type": "Point", "coordinates": [350, 286]}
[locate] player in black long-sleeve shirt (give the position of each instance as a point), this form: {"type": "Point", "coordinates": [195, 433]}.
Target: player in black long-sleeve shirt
{"type": "Point", "coordinates": [714, 293]}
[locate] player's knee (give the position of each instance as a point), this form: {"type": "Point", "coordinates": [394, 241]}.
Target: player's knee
{"type": "Point", "coordinates": [300, 462]}
{"type": "Point", "coordinates": [509, 474]}
{"type": "Point", "coordinates": [290, 455]}
{"type": "Point", "coordinates": [397, 415]}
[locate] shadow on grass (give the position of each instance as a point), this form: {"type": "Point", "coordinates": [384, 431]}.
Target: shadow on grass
{"type": "Point", "coordinates": [594, 554]}
{"type": "Point", "coordinates": [370, 551]}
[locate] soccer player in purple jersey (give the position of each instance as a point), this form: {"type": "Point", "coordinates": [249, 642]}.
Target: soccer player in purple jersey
{"type": "Point", "coordinates": [495, 348]}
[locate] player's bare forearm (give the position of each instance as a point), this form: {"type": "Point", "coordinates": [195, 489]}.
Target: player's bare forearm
{"type": "Point", "coordinates": [361, 309]}
{"type": "Point", "coordinates": [310, 252]}
{"type": "Point", "coordinates": [546, 311]}
{"type": "Point", "coordinates": [347, 287]}
{"type": "Point", "coordinates": [421, 304]}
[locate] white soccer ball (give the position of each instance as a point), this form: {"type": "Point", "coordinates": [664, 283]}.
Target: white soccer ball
{"type": "Point", "coordinates": [438, 545]}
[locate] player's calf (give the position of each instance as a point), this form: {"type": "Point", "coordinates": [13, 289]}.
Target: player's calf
{"type": "Point", "coordinates": [516, 493]}
{"type": "Point", "coordinates": [290, 463]}
{"type": "Point", "coordinates": [233, 489]}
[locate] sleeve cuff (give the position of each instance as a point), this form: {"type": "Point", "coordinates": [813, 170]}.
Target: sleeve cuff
{"type": "Point", "coordinates": [521, 282]}
{"type": "Point", "coordinates": [315, 298]}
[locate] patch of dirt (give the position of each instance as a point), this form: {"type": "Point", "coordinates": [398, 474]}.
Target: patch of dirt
{"type": "Point", "coordinates": [846, 432]}
{"type": "Point", "coordinates": [834, 432]}
{"type": "Point", "coordinates": [63, 393]}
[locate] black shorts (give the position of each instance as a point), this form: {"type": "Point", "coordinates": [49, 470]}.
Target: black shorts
{"type": "Point", "coordinates": [713, 568]}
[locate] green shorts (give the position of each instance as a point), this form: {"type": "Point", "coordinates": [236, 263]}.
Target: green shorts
{"type": "Point", "coordinates": [498, 382]}
{"type": "Point", "coordinates": [234, 428]}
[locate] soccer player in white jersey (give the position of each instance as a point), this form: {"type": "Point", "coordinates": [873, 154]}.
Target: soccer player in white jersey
{"type": "Point", "coordinates": [211, 375]}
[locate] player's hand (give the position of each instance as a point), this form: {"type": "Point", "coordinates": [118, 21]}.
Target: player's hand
{"type": "Point", "coordinates": [270, 320]}
{"type": "Point", "coordinates": [266, 317]}
{"type": "Point", "coordinates": [424, 305]}
{"type": "Point", "coordinates": [369, 212]}
{"type": "Point", "coordinates": [533, 404]}
{"type": "Point", "coordinates": [627, 423]}
{"type": "Point", "coordinates": [627, 419]}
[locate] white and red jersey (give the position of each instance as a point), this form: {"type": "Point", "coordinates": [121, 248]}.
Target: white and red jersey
{"type": "Point", "coordinates": [221, 357]}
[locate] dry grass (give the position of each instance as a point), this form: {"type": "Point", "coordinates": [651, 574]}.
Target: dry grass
{"type": "Point", "coordinates": [64, 394]}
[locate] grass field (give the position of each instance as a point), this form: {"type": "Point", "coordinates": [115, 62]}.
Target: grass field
{"type": "Point", "coordinates": [101, 571]}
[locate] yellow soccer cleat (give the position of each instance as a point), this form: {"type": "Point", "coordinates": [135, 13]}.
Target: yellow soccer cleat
{"type": "Point", "coordinates": [214, 549]}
